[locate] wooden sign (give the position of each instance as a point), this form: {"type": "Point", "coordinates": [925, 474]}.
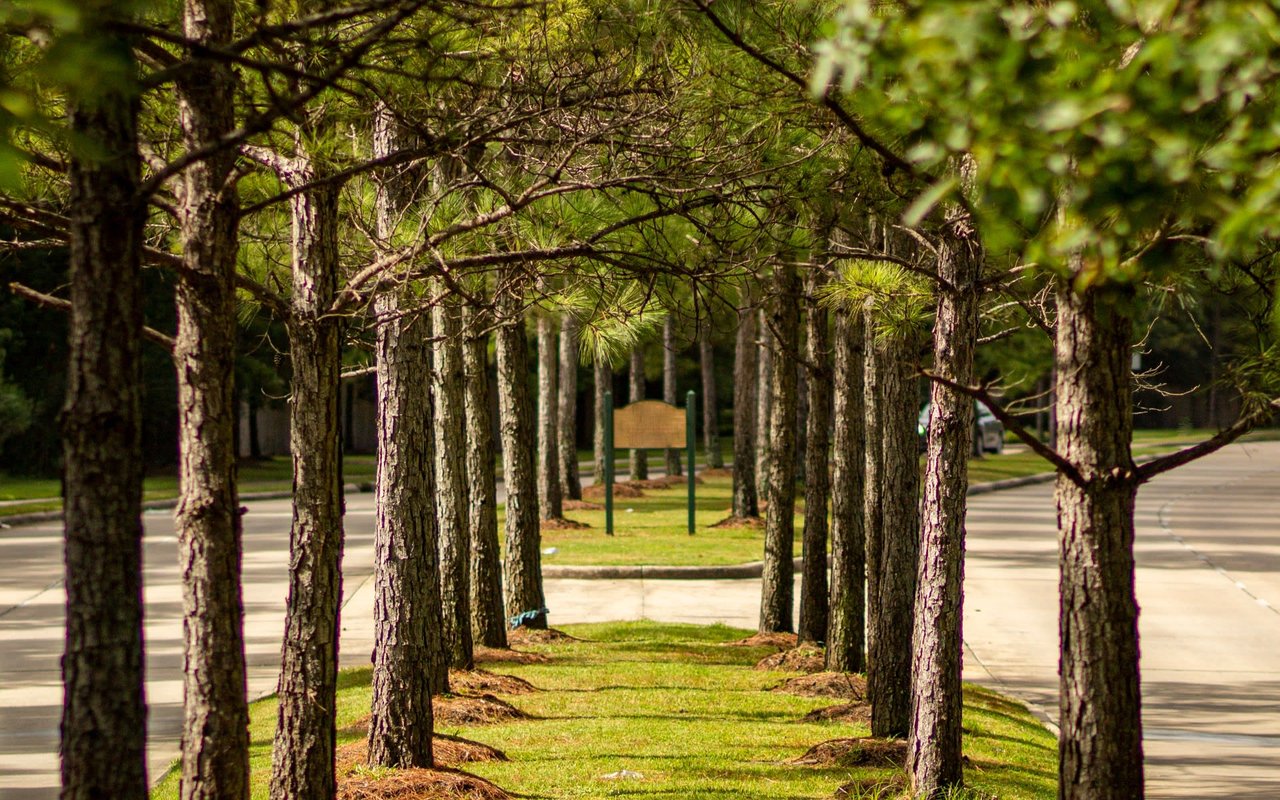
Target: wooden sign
{"type": "Point", "coordinates": [649, 423]}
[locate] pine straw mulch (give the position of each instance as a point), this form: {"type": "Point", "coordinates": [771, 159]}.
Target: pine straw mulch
{"type": "Point", "coordinates": [481, 709]}
{"type": "Point", "coordinates": [562, 524]}
{"type": "Point", "coordinates": [527, 635]}
{"type": "Point", "coordinates": [807, 658]}
{"type": "Point", "coordinates": [716, 472]}
{"type": "Point", "coordinates": [827, 684]}
{"type": "Point", "coordinates": [845, 712]}
{"type": "Point", "coordinates": [738, 522]}
{"type": "Point", "coordinates": [448, 751]}
{"type": "Point", "coordinates": [483, 681]}
{"type": "Point", "coordinates": [859, 752]}
{"type": "Point", "coordinates": [620, 490]}
{"type": "Point", "coordinates": [581, 505]}
{"type": "Point", "coordinates": [356, 781]}
{"type": "Point", "coordinates": [505, 655]}
{"type": "Point", "coordinates": [782, 641]}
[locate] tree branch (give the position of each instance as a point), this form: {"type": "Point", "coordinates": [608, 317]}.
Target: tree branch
{"type": "Point", "coordinates": [1243, 425]}
{"type": "Point", "coordinates": [49, 301]}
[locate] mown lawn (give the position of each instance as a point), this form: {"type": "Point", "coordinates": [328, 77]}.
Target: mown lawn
{"type": "Point", "coordinates": [692, 717]}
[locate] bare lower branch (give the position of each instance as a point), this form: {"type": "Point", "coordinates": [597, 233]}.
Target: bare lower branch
{"type": "Point", "coordinates": [1246, 422]}
{"type": "Point", "coordinates": [57, 303]}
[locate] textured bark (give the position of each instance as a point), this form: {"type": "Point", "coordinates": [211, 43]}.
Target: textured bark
{"type": "Point", "coordinates": [550, 501]}
{"type": "Point", "coordinates": [1100, 707]}
{"type": "Point", "coordinates": [639, 458]}
{"type": "Point", "coordinates": [602, 381]}
{"type": "Point", "coordinates": [567, 425]}
{"type": "Point", "coordinates": [408, 649]}
{"type": "Point", "coordinates": [934, 756]}
{"type": "Point", "coordinates": [764, 400]}
{"type": "Point", "coordinates": [451, 484]}
{"type": "Point", "coordinates": [489, 627]}
{"type": "Point", "coordinates": [817, 470]}
{"type": "Point", "coordinates": [523, 565]}
{"type": "Point", "coordinates": [103, 742]}
{"type": "Point", "coordinates": [777, 584]}
{"type": "Point", "coordinates": [847, 624]}
{"type": "Point", "coordinates": [873, 477]}
{"type": "Point", "coordinates": [710, 400]}
{"type": "Point", "coordinates": [303, 753]}
{"type": "Point", "coordinates": [215, 728]}
{"type": "Point", "coordinates": [889, 677]}
{"type": "Point", "coordinates": [746, 356]}
{"type": "Point", "coordinates": [669, 392]}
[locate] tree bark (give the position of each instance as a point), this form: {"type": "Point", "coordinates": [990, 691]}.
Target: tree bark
{"type": "Point", "coordinates": [567, 425]}
{"type": "Point", "coordinates": [303, 753]}
{"type": "Point", "coordinates": [215, 729]}
{"type": "Point", "coordinates": [934, 758]}
{"type": "Point", "coordinates": [889, 678]}
{"type": "Point", "coordinates": [1100, 705]}
{"type": "Point", "coordinates": [602, 380]}
{"type": "Point", "coordinates": [639, 458]}
{"type": "Point", "coordinates": [710, 400]}
{"type": "Point", "coordinates": [777, 584]}
{"type": "Point", "coordinates": [873, 478]}
{"type": "Point", "coordinates": [745, 393]}
{"type": "Point", "coordinates": [847, 624]}
{"type": "Point", "coordinates": [764, 400]}
{"type": "Point", "coordinates": [669, 394]}
{"type": "Point", "coordinates": [550, 501]}
{"type": "Point", "coordinates": [523, 565]}
{"type": "Point", "coordinates": [451, 484]}
{"type": "Point", "coordinates": [489, 627]}
{"type": "Point", "coordinates": [817, 487]}
{"type": "Point", "coordinates": [103, 742]}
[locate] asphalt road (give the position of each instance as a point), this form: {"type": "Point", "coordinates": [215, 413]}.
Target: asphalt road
{"type": "Point", "coordinates": [1209, 573]}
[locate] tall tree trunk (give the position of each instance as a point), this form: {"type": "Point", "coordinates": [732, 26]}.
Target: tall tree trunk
{"type": "Point", "coordinates": [777, 584]}
{"type": "Point", "coordinates": [847, 624]}
{"type": "Point", "coordinates": [602, 380]}
{"type": "Point", "coordinates": [523, 565]}
{"type": "Point", "coordinates": [889, 678]}
{"type": "Point", "coordinates": [550, 501]}
{"type": "Point", "coordinates": [639, 458]}
{"type": "Point", "coordinates": [567, 425]}
{"type": "Point", "coordinates": [451, 484]}
{"type": "Point", "coordinates": [936, 701]}
{"type": "Point", "coordinates": [1100, 706]}
{"type": "Point", "coordinates": [215, 728]}
{"type": "Point", "coordinates": [745, 393]}
{"type": "Point", "coordinates": [873, 477]}
{"type": "Point", "coordinates": [802, 414]}
{"type": "Point", "coordinates": [489, 627]}
{"type": "Point", "coordinates": [669, 385]}
{"type": "Point", "coordinates": [764, 400]}
{"type": "Point", "coordinates": [406, 574]}
{"type": "Point", "coordinates": [710, 400]}
{"type": "Point", "coordinates": [817, 487]}
{"type": "Point", "coordinates": [303, 753]}
{"type": "Point", "coordinates": [103, 741]}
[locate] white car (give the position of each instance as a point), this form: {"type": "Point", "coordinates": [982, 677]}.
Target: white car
{"type": "Point", "coordinates": [988, 434]}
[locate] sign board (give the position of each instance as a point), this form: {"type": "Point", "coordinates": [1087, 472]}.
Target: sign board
{"type": "Point", "coordinates": [649, 423]}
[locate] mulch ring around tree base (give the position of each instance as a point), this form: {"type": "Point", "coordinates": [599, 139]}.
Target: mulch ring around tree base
{"type": "Point", "coordinates": [483, 681]}
{"type": "Point", "coordinates": [804, 658]}
{"type": "Point", "coordinates": [782, 641]}
{"type": "Point", "coordinates": [859, 752]}
{"type": "Point", "coordinates": [827, 684]}
{"type": "Point", "coordinates": [845, 712]}
{"type": "Point", "coordinates": [562, 524]}
{"type": "Point", "coordinates": [738, 522]}
{"type": "Point", "coordinates": [463, 709]}
{"type": "Point", "coordinates": [527, 635]}
{"type": "Point", "coordinates": [716, 472]}
{"type": "Point", "coordinates": [496, 655]}
{"type": "Point", "coordinates": [620, 490]}
{"type": "Point", "coordinates": [665, 482]}
{"type": "Point", "coordinates": [357, 781]}
{"type": "Point", "coordinates": [580, 505]}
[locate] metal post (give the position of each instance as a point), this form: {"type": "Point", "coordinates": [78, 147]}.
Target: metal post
{"type": "Point", "coordinates": [691, 439]}
{"type": "Point", "coordinates": [608, 463]}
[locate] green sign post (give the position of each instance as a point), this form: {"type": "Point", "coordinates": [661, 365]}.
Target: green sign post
{"type": "Point", "coordinates": [648, 424]}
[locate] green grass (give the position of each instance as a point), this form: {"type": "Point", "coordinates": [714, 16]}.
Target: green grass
{"type": "Point", "coordinates": [691, 716]}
